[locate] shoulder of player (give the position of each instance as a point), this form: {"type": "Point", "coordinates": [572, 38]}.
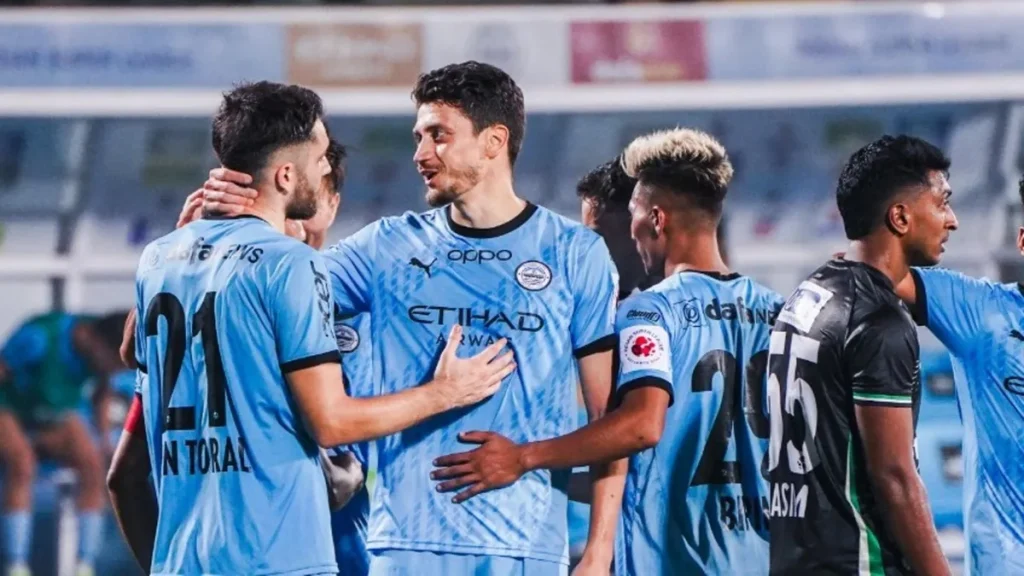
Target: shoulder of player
{"type": "Point", "coordinates": [652, 304]}
{"type": "Point", "coordinates": [933, 273]}
{"type": "Point", "coordinates": [882, 318]}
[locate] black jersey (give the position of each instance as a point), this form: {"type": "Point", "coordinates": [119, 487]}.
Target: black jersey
{"type": "Point", "coordinates": [843, 338]}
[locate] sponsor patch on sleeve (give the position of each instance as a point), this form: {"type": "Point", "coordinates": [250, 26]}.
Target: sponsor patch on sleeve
{"type": "Point", "coordinates": [644, 348]}
{"type": "Point", "coordinates": [803, 307]}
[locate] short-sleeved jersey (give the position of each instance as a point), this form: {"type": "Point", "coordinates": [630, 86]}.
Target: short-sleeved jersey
{"type": "Point", "coordinates": [540, 280]}
{"type": "Point", "coordinates": [697, 502]}
{"type": "Point", "coordinates": [843, 338]}
{"type": "Point", "coordinates": [982, 325]}
{"type": "Point", "coordinates": [226, 308]}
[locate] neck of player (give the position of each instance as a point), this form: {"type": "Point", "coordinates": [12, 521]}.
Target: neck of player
{"type": "Point", "coordinates": [693, 250]}
{"type": "Point", "coordinates": [882, 254]}
{"type": "Point", "coordinates": [273, 215]}
{"type": "Point", "coordinates": [489, 204]}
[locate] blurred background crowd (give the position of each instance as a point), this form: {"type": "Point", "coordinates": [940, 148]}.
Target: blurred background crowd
{"type": "Point", "coordinates": [104, 129]}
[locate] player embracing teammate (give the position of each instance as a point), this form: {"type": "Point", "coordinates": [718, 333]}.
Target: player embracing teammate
{"type": "Point", "coordinates": [710, 403]}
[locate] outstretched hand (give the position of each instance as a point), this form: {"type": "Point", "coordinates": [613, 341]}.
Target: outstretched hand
{"type": "Point", "coordinates": [495, 464]}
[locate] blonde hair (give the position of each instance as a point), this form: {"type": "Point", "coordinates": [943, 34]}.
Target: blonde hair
{"type": "Point", "coordinates": [683, 160]}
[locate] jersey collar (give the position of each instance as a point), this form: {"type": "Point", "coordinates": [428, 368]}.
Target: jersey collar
{"type": "Point", "coordinates": [715, 275]}
{"type": "Point", "coordinates": [499, 230]}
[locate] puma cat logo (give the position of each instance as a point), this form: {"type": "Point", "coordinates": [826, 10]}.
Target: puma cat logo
{"type": "Point", "coordinates": [419, 264]}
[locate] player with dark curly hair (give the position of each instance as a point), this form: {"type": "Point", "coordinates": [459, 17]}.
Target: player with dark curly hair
{"type": "Point", "coordinates": [499, 266]}
{"type": "Point", "coordinates": [844, 387]}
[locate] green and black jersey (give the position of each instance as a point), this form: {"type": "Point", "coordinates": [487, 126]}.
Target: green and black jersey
{"type": "Point", "coordinates": [843, 338]}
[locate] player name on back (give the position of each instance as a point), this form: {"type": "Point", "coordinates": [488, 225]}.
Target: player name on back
{"type": "Point", "coordinates": [199, 251]}
{"type": "Point", "coordinates": [204, 456]}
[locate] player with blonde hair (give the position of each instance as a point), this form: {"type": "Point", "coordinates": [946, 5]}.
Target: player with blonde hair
{"type": "Point", "coordinates": [694, 491]}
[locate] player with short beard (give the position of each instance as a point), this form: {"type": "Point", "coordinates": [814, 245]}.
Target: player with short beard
{"type": "Point", "coordinates": [500, 266]}
{"type": "Point", "coordinates": [239, 376]}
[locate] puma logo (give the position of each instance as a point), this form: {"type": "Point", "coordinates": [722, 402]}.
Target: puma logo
{"type": "Point", "coordinates": [1017, 335]}
{"type": "Point", "coordinates": [419, 264]}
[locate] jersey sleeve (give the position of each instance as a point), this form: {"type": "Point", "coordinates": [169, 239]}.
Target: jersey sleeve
{"type": "Point", "coordinates": [645, 350]}
{"type": "Point", "coordinates": [301, 311]}
{"type": "Point", "coordinates": [881, 358]}
{"type": "Point", "coordinates": [26, 347]}
{"type": "Point", "coordinates": [950, 304]}
{"type": "Point", "coordinates": [350, 265]}
{"type": "Point", "coordinates": [595, 289]}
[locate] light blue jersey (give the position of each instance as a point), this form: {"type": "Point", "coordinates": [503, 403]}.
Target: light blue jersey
{"type": "Point", "coordinates": [982, 325]}
{"type": "Point", "coordinates": [226, 308]}
{"type": "Point", "coordinates": [697, 502]}
{"type": "Point", "coordinates": [350, 523]}
{"type": "Point", "coordinates": [540, 280]}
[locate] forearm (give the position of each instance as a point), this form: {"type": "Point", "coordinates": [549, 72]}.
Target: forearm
{"type": "Point", "coordinates": [364, 419]}
{"type": "Point", "coordinates": [906, 502]}
{"type": "Point", "coordinates": [135, 508]}
{"type": "Point", "coordinates": [608, 481]}
{"type": "Point", "coordinates": [131, 496]}
{"type": "Point", "coordinates": [613, 437]}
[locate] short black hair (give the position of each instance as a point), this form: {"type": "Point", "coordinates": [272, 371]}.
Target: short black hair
{"type": "Point", "coordinates": [876, 173]}
{"type": "Point", "coordinates": [257, 119]}
{"type": "Point", "coordinates": [336, 154]}
{"type": "Point", "coordinates": [486, 94]}
{"type": "Point", "coordinates": [607, 186]}
{"type": "Point", "coordinates": [1020, 189]}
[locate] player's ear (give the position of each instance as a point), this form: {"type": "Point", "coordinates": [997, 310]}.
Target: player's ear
{"type": "Point", "coordinates": [285, 177]}
{"type": "Point", "coordinates": [1020, 240]}
{"type": "Point", "coordinates": [495, 139]}
{"type": "Point", "coordinates": [658, 218]}
{"type": "Point", "coordinates": [898, 218]}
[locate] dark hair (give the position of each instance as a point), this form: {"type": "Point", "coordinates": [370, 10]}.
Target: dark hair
{"type": "Point", "coordinates": [336, 155]}
{"type": "Point", "coordinates": [879, 171]}
{"type": "Point", "coordinates": [484, 93]}
{"type": "Point", "coordinates": [608, 185]}
{"type": "Point", "coordinates": [255, 120]}
{"type": "Point", "coordinates": [1020, 188]}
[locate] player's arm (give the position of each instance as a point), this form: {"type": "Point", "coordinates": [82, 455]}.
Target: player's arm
{"type": "Point", "coordinates": [882, 355]}
{"type": "Point", "coordinates": [635, 424]}
{"type": "Point", "coordinates": [334, 417]}
{"type": "Point", "coordinates": [607, 479]}
{"type": "Point", "coordinates": [948, 303]}
{"type": "Point", "coordinates": [127, 350]}
{"type": "Point", "coordinates": [131, 496]}
{"type": "Point", "coordinates": [596, 290]}
{"type": "Point", "coordinates": [302, 308]}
